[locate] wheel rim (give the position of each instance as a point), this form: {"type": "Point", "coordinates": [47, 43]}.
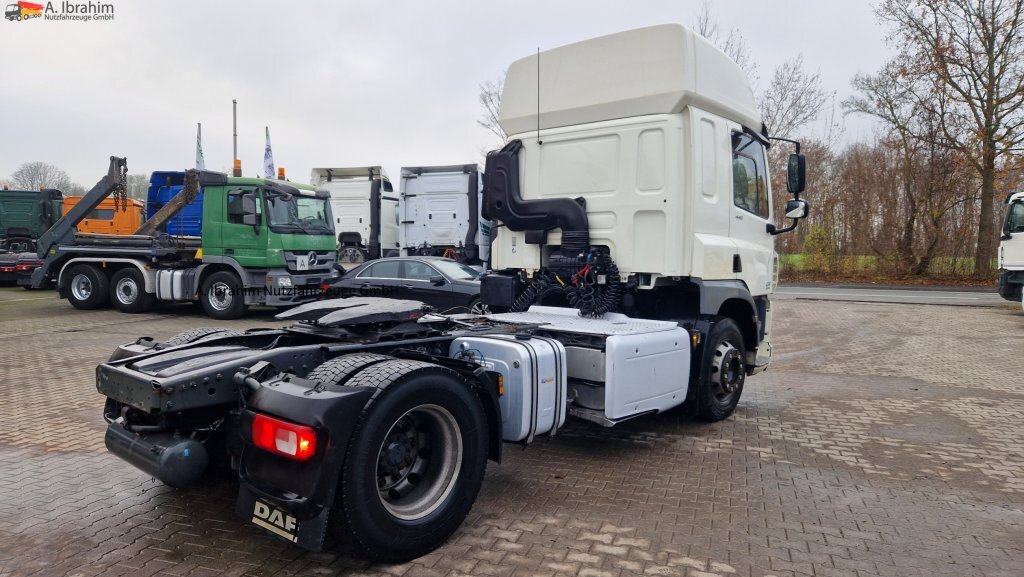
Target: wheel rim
{"type": "Point", "coordinates": [479, 308]}
{"type": "Point", "coordinates": [220, 296]}
{"type": "Point", "coordinates": [127, 291]}
{"type": "Point", "coordinates": [81, 287]}
{"type": "Point", "coordinates": [418, 462]}
{"type": "Point", "coordinates": [726, 371]}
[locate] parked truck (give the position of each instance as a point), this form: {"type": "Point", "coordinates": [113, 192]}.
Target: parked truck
{"type": "Point", "coordinates": [439, 208]}
{"type": "Point", "coordinates": [264, 242]}
{"type": "Point", "coordinates": [24, 216]}
{"type": "Point", "coordinates": [634, 260]}
{"type": "Point", "coordinates": [365, 210]}
{"type": "Point", "coordinates": [109, 217]}
{"type": "Point", "coordinates": [1011, 250]}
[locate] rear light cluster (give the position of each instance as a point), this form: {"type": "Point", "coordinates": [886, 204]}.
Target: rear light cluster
{"type": "Point", "coordinates": [283, 438]}
{"type": "Point", "coordinates": [27, 266]}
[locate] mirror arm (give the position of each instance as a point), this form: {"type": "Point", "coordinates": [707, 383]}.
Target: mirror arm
{"type": "Point", "coordinates": [774, 231]}
{"type": "Point", "coordinates": [793, 142]}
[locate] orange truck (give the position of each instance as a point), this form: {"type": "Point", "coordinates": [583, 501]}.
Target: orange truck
{"type": "Point", "coordinates": [107, 219]}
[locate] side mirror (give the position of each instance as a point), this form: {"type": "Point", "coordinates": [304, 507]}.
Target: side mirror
{"type": "Point", "coordinates": [437, 280]}
{"type": "Point", "coordinates": [249, 203]}
{"type": "Point", "coordinates": [797, 208]}
{"type": "Point", "coordinates": [251, 219]}
{"type": "Point", "coordinates": [796, 174]}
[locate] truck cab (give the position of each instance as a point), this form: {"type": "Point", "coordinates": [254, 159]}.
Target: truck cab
{"type": "Point", "coordinates": [109, 217]}
{"type": "Point", "coordinates": [657, 174]}
{"type": "Point", "coordinates": [365, 209]}
{"type": "Point", "coordinates": [440, 214]}
{"type": "Point", "coordinates": [1011, 250]}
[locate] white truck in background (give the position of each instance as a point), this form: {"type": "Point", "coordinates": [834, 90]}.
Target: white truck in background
{"type": "Point", "coordinates": [1011, 250]}
{"type": "Point", "coordinates": [440, 214]}
{"type": "Point", "coordinates": [365, 210]}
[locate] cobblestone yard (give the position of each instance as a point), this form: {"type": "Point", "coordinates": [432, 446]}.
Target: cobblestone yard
{"type": "Point", "coordinates": [884, 440]}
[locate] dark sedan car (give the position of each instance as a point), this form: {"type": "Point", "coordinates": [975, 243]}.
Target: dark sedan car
{"type": "Point", "coordinates": [442, 283]}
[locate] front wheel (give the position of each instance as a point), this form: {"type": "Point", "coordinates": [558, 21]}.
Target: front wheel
{"type": "Point", "coordinates": [722, 372]}
{"type": "Point", "coordinates": [415, 463]}
{"type": "Point", "coordinates": [223, 297]}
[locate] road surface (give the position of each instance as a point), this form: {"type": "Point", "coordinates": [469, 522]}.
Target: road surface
{"type": "Point", "coordinates": [977, 298]}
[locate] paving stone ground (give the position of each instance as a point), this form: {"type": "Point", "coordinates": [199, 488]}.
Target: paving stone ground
{"type": "Point", "coordinates": [884, 440]}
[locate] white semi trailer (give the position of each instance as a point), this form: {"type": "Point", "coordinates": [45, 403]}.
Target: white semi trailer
{"type": "Point", "coordinates": [365, 209]}
{"type": "Point", "coordinates": [634, 262]}
{"type": "Point", "coordinates": [1011, 250]}
{"type": "Point", "coordinates": [440, 213]}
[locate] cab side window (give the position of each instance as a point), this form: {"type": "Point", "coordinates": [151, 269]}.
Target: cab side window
{"type": "Point", "coordinates": [1015, 218]}
{"type": "Point", "coordinates": [749, 177]}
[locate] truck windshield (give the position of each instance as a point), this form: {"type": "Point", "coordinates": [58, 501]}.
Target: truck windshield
{"type": "Point", "coordinates": [304, 213]}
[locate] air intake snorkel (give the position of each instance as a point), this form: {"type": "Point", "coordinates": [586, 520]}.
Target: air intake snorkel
{"type": "Point", "coordinates": [504, 202]}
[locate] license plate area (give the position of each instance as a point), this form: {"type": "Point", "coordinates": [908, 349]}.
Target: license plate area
{"type": "Point", "coordinates": [276, 520]}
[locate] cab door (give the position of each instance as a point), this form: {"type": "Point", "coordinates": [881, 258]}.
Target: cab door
{"type": "Point", "coordinates": [1011, 249]}
{"type": "Point", "coordinates": [751, 211]}
{"type": "Point", "coordinates": [245, 243]}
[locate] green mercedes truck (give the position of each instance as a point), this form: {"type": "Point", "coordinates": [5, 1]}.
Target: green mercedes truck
{"type": "Point", "coordinates": [263, 242]}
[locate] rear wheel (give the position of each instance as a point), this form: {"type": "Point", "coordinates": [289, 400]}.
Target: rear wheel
{"type": "Point", "coordinates": [128, 291]}
{"type": "Point", "coordinates": [222, 296]}
{"type": "Point", "coordinates": [415, 462]}
{"type": "Point", "coordinates": [722, 372]}
{"type": "Point", "coordinates": [87, 287]}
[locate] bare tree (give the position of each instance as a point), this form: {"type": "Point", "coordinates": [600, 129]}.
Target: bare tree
{"type": "Point", "coordinates": [793, 99]}
{"type": "Point", "coordinates": [35, 175]}
{"type": "Point", "coordinates": [730, 42]}
{"type": "Point", "coordinates": [73, 189]}
{"type": "Point", "coordinates": [138, 186]}
{"type": "Point", "coordinates": [490, 100]}
{"type": "Point", "coordinates": [973, 52]}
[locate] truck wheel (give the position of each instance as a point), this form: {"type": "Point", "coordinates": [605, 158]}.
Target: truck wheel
{"type": "Point", "coordinates": [222, 296]}
{"type": "Point", "coordinates": [194, 335]}
{"type": "Point", "coordinates": [338, 370]}
{"type": "Point", "coordinates": [415, 462]}
{"type": "Point", "coordinates": [722, 372]}
{"type": "Point", "coordinates": [87, 287]}
{"type": "Point", "coordinates": [128, 291]}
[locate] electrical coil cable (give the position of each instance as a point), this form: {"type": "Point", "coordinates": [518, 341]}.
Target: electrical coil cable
{"type": "Point", "coordinates": [583, 294]}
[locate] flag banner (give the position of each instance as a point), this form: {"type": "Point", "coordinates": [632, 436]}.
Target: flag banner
{"type": "Point", "coordinates": [200, 161]}
{"type": "Point", "coordinates": [268, 159]}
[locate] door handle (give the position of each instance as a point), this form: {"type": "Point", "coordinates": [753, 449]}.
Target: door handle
{"type": "Point", "coordinates": [739, 216]}
{"type": "Point", "coordinates": [408, 286]}
{"type": "Point", "coordinates": [229, 251]}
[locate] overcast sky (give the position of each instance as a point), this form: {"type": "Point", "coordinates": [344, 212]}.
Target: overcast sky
{"type": "Point", "coordinates": [339, 83]}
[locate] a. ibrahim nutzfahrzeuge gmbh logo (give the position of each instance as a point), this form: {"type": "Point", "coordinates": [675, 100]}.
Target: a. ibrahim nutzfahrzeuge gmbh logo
{"type": "Point", "coordinates": [19, 11]}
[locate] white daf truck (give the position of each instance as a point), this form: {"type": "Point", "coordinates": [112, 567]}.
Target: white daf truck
{"type": "Point", "coordinates": [365, 211]}
{"type": "Point", "coordinates": [632, 271]}
{"type": "Point", "coordinates": [440, 213]}
{"type": "Point", "coordinates": [1011, 250]}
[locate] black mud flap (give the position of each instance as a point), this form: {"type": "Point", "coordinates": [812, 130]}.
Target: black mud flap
{"type": "Point", "coordinates": [310, 534]}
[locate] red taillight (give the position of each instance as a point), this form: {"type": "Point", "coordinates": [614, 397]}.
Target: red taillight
{"type": "Point", "coordinates": [6, 269]}
{"type": "Point", "coordinates": [283, 438]}
{"type": "Point", "coordinates": [24, 266]}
